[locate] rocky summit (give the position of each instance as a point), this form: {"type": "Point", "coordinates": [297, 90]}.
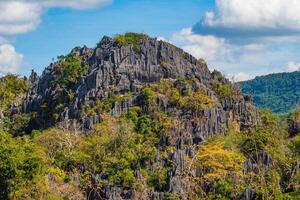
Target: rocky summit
{"type": "Point", "coordinates": [138, 118]}
{"type": "Point", "coordinates": [123, 70]}
{"type": "Point", "coordinates": [116, 76]}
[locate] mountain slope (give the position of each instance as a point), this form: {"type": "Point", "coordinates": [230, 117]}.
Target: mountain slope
{"type": "Point", "coordinates": [138, 118]}
{"type": "Point", "coordinates": [177, 103]}
{"type": "Point", "coordinates": [278, 92]}
{"type": "Point", "coordinates": [121, 67]}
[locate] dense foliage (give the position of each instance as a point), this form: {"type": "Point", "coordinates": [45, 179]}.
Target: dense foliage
{"type": "Point", "coordinates": [133, 150]}
{"type": "Point", "coordinates": [69, 69]}
{"type": "Point", "coordinates": [278, 92]}
{"type": "Point", "coordinates": [12, 89]}
{"type": "Point", "coordinates": [261, 159]}
{"type": "Point", "coordinates": [130, 39]}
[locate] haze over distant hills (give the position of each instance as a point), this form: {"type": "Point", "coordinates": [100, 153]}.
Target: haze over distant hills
{"type": "Point", "coordinates": [279, 92]}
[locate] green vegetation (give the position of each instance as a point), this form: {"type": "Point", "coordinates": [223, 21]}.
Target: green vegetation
{"type": "Point", "coordinates": [225, 90]}
{"type": "Point", "coordinates": [69, 69]}
{"type": "Point", "coordinates": [278, 92]}
{"type": "Point", "coordinates": [180, 97]}
{"type": "Point", "coordinates": [131, 39]}
{"type": "Point", "coordinates": [12, 90]}
{"type": "Point", "coordinates": [294, 122]}
{"type": "Point", "coordinates": [21, 162]}
{"type": "Point", "coordinates": [221, 161]}
{"type": "Point", "coordinates": [133, 150]}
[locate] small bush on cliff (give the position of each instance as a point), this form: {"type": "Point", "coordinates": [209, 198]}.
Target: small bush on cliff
{"type": "Point", "coordinates": [130, 39]}
{"type": "Point", "coordinates": [198, 101]}
{"type": "Point", "coordinates": [224, 91]}
{"type": "Point", "coordinates": [69, 69]}
{"type": "Point", "coordinates": [183, 98]}
{"type": "Point", "coordinates": [294, 122]}
{"type": "Point", "coordinates": [158, 178]}
{"type": "Point", "coordinates": [12, 89]}
{"type": "Point", "coordinates": [147, 97]}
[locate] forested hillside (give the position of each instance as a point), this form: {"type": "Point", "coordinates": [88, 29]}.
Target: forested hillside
{"type": "Point", "coordinates": [137, 118]}
{"type": "Point", "coordinates": [277, 92]}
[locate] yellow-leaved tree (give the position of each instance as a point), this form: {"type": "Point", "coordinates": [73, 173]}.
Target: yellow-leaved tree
{"type": "Point", "coordinates": [218, 171]}
{"type": "Point", "coordinates": [215, 162]}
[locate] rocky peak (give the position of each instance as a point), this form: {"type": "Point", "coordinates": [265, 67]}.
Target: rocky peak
{"type": "Point", "coordinates": [124, 65]}
{"type": "Point", "coordinates": [136, 71]}
{"type": "Point", "coordinates": [33, 78]}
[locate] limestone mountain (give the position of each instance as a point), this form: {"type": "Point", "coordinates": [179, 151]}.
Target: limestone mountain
{"type": "Point", "coordinates": [138, 118]}
{"type": "Point", "coordinates": [119, 72]}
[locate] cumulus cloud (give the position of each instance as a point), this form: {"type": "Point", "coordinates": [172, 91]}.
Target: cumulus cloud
{"type": "Point", "coordinates": [77, 4]}
{"type": "Point", "coordinates": [18, 17]}
{"type": "Point", "coordinates": [292, 66]}
{"type": "Point", "coordinates": [21, 16]}
{"type": "Point", "coordinates": [236, 18]}
{"type": "Point", "coordinates": [241, 76]}
{"type": "Point", "coordinates": [213, 49]}
{"type": "Point", "coordinates": [164, 39]}
{"type": "Point", "coordinates": [207, 47]}
{"type": "Point", "coordinates": [3, 40]}
{"type": "Point", "coordinates": [246, 38]}
{"type": "Point", "coordinates": [10, 60]}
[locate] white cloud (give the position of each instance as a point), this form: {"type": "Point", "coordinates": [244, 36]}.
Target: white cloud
{"type": "Point", "coordinates": [258, 14]}
{"type": "Point", "coordinates": [254, 47]}
{"type": "Point", "coordinates": [241, 76]}
{"type": "Point", "coordinates": [292, 66]}
{"type": "Point", "coordinates": [207, 47]}
{"type": "Point", "coordinates": [21, 16]}
{"type": "Point", "coordinates": [77, 4]}
{"type": "Point", "coordinates": [18, 17]}
{"type": "Point", "coordinates": [10, 60]}
{"type": "Point", "coordinates": [164, 39]}
{"type": "Point", "coordinates": [3, 40]}
{"type": "Point", "coordinates": [246, 38]}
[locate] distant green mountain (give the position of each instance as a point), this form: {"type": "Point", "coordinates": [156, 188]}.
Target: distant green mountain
{"type": "Point", "coordinates": [278, 92]}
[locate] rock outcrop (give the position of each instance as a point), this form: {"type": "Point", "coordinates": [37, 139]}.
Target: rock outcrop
{"type": "Point", "coordinates": [123, 69]}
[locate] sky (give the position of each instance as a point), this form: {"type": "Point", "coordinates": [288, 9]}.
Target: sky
{"type": "Point", "coordinates": [240, 38]}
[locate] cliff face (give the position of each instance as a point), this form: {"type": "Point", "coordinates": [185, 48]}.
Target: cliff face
{"type": "Point", "coordinates": [120, 70]}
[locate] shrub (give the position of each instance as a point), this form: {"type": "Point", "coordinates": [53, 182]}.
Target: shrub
{"type": "Point", "coordinates": [224, 91]}
{"type": "Point", "coordinates": [69, 69]}
{"type": "Point", "coordinates": [198, 101]}
{"type": "Point", "coordinates": [294, 122]}
{"type": "Point", "coordinates": [20, 163]}
{"type": "Point", "coordinates": [19, 123]}
{"type": "Point", "coordinates": [217, 163]}
{"type": "Point", "coordinates": [158, 179]}
{"type": "Point", "coordinates": [131, 39]}
{"type": "Point", "coordinates": [12, 89]}
{"type": "Point", "coordinates": [170, 196]}
{"type": "Point", "coordinates": [147, 97]}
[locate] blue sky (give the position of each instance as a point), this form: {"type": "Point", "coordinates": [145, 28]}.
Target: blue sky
{"type": "Point", "coordinates": [239, 38]}
{"type": "Point", "coordinates": [62, 29]}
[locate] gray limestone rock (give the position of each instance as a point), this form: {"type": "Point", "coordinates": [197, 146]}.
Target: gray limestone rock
{"type": "Point", "coordinates": [124, 70]}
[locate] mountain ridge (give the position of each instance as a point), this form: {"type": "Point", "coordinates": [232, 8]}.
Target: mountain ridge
{"type": "Point", "coordinates": [279, 92]}
{"type": "Point", "coordinates": [121, 67]}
